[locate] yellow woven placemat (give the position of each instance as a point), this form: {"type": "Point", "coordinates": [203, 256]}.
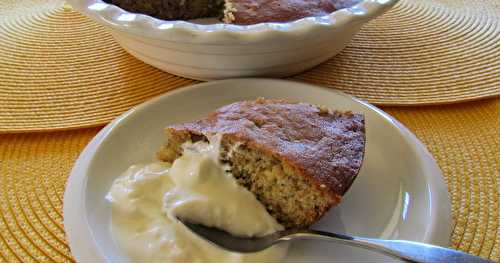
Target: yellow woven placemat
{"type": "Point", "coordinates": [59, 70]}
{"type": "Point", "coordinates": [463, 138]}
{"type": "Point", "coordinates": [465, 141]}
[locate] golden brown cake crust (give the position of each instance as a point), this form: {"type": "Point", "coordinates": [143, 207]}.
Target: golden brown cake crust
{"type": "Point", "coordinates": [246, 12]}
{"type": "Point", "coordinates": [324, 146]}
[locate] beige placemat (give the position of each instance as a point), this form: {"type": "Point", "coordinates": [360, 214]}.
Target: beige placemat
{"type": "Point", "coordinates": [465, 141]}
{"type": "Point", "coordinates": [463, 138]}
{"type": "Point", "coordinates": [421, 52]}
{"type": "Point", "coordinates": [59, 70]}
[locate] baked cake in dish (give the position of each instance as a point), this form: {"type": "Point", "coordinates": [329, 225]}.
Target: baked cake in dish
{"type": "Point", "coordinates": [245, 12]}
{"type": "Point", "coordinates": [173, 9]}
{"type": "Point", "coordinates": [242, 12]}
{"type": "Point", "coordinates": [298, 159]}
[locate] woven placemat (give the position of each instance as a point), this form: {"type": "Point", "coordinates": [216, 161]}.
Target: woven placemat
{"type": "Point", "coordinates": [59, 70]}
{"type": "Point", "coordinates": [463, 138]}
{"type": "Point", "coordinates": [421, 52]}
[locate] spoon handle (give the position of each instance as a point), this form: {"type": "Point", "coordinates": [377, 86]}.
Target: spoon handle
{"type": "Point", "coordinates": [406, 250]}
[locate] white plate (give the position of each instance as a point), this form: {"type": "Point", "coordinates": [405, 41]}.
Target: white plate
{"type": "Point", "coordinates": [399, 193]}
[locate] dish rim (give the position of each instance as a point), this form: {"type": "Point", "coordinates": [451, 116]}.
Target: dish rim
{"type": "Point", "coordinates": [144, 25]}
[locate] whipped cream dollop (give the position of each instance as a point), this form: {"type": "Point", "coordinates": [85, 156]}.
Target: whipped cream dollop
{"type": "Point", "coordinates": [147, 200]}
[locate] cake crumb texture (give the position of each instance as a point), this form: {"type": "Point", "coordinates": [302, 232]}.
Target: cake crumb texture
{"type": "Point", "coordinates": [298, 159]}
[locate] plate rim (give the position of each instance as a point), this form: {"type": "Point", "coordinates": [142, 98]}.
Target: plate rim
{"type": "Point", "coordinates": [78, 233]}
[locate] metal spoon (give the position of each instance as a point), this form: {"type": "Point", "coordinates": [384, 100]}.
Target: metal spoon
{"type": "Point", "coordinates": [408, 251]}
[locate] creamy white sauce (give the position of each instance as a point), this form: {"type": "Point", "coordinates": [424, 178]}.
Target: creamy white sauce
{"type": "Point", "coordinates": [147, 199]}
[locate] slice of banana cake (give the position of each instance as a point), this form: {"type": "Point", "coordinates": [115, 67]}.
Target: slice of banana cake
{"type": "Point", "coordinates": [298, 159]}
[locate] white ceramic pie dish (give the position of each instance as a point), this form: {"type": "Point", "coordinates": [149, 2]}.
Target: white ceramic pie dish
{"type": "Point", "coordinates": [399, 194]}
{"type": "Point", "coordinates": [215, 51]}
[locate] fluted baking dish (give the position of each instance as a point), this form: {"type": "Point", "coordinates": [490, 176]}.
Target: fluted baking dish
{"type": "Point", "coordinates": [216, 50]}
